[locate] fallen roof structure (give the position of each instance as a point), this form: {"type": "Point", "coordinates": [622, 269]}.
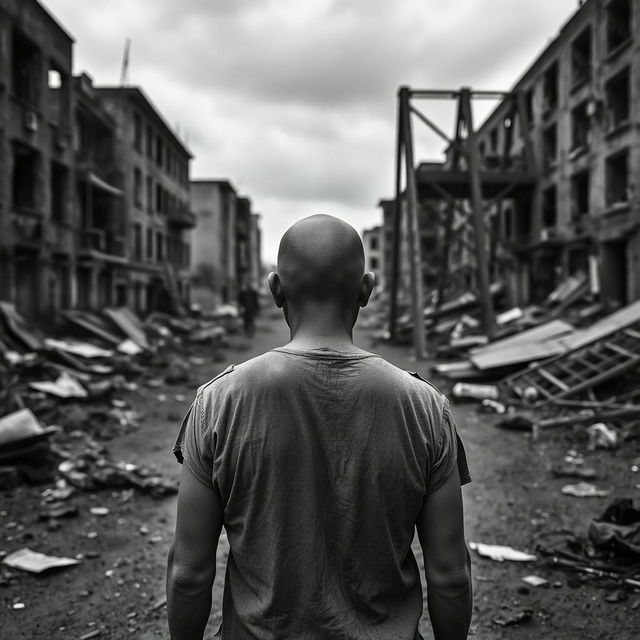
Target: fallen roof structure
{"type": "Point", "coordinates": [588, 358]}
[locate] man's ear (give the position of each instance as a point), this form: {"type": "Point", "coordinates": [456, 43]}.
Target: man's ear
{"type": "Point", "coordinates": [275, 286]}
{"type": "Point", "coordinates": [368, 282]}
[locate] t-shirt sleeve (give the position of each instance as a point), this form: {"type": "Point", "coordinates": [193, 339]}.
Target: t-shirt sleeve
{"type": "Point", "coordinates": [449, 453]}
{"type": "Point", "coordinates": [193, 445]}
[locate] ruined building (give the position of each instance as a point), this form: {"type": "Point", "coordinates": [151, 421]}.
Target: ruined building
{"type": "Point", "coordinates": [227, 247]}
{"type": "Point", "coordinates": [37, 174]}
{"type": "Point", "coordinates": [155, 178]}
{"type": "Point", "coordinates": [94, 185]}
{"type": "Point", "coordinates": [582, 103]}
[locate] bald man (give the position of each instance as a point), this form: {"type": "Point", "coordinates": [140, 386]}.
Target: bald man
{"type": "Point", "coordinates": [321, 460]}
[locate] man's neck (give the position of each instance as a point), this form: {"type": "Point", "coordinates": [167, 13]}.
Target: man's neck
{"type": "Point", "coordinates": [321, 325]}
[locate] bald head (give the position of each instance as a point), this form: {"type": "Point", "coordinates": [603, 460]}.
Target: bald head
{"type": "Point", "coordinates": [321, 258]}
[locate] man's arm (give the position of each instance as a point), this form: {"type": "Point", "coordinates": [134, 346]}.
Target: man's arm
{"type": "Point", "coordinates": [191, 567]}
{"type": "Point", "coordinates": [446, 561]}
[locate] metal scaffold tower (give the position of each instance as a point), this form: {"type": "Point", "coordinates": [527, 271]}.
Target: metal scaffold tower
{"type": "Point", "coordinates": [462, 178]}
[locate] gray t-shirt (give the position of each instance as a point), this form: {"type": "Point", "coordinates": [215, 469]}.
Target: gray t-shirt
{"type": "Point", "coordinates": [323, 460]}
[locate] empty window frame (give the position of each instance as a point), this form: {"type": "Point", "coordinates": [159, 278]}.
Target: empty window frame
{"type": "Point", "coordinates": [618, 14]}
{"type": "Point", "coordinates": [137, 187]}
{"type": "Point", "coordinates": [57, 95]}
{"type": "Point", "coordinates": [59, 178]}
{"type": "Point", "coordinates": [149, 244]}
{"type": "Point", "coordinates": [150, 139]}
{"type": "Point", "coordinates": [159, 198]}
{"type": "Point", "coordinates": [617, 178]}
{"type": "Point", "coordinates": [137, 132]}
{"type": "Point", "coordinates": [581, 58]}
{"type": "Point", "coordinates": [159, 150]}
{"type": "Point", "coordinates": [149, 193]}
{"type": "Point", "coordinates": [26, 167]}
{"type": "Point", "coordinates": [550, 207]}
{"type": "Point", "coordinates": [550, 90]}
{"type": "Point", "coordinates": [549, 147]}
{"type": "Point", "coordinates": [580, 126]}
{"type": "Point", "coordinates": [137, 241]}
{"type": "Point", "coordinates": [159, 246]}
{"type": "Point", "coordinates": [528, 102]}
{"type": "Point", "coordinates": [618, 100]}
{"type": "Point", "coordinates": [26, 75]}
{"type": "Point", "coordinates": [580, 195]}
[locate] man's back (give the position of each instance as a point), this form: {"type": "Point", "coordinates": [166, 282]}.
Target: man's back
{"type": "Point", "coordinates": [323, 460]}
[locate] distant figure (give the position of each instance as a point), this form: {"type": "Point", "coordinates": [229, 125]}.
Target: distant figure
{"type": "Point", "coordinates": [321, 460]}
{"type": "Point", "coordinates": [248, 301]}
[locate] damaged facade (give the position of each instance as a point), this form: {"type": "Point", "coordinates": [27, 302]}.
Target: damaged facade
{"type": "Point", "coordinates": [155, 178]}
{"type": "Point", "coordinates": [582, 105]}
{"type": "Point", "coordinates": [227, 246]}
{"type": "Point", "coordinates": [95, 203]}
{"type": "Point", "coordinates": [37, 212]}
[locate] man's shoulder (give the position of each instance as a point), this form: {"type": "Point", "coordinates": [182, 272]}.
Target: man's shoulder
{"type": "Point", "coordinates": [235, 374]}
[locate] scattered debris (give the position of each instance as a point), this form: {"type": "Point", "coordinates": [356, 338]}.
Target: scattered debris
{"type": "Point", "coordinates": [35, 562]}
{"type": "Point", "coordinates": [584, 490]}
{"type": "Point", "coordinates": [535, 581]}
{"type": "Point", "coordinates": [602, 437]}
{"type": "Point", "coordinates": [475, 391]}
{"type": "Point", "coordinates": [513, 618]}
{"type": "Point", "coordinates": [501, 553]}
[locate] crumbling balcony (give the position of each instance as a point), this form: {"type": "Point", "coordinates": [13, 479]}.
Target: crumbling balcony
{"type": "Point", "coordinates": [181, 218]}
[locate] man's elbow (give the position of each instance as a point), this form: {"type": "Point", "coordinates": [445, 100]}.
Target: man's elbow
{"type": "Point", "coordinates": [186, 579]}
{"type": "Point", "coordinates": [451, 581]}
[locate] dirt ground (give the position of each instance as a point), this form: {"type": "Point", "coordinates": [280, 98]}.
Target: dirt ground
{"type": "Point", "coordinates": [117, 589]}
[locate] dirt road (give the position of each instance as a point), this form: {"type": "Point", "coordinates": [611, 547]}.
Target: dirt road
{"type": "Point", "coordinates": [117, 589]}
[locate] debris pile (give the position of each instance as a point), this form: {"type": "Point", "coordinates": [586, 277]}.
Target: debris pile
{"type": "Point", "coordinates": [78, 377]}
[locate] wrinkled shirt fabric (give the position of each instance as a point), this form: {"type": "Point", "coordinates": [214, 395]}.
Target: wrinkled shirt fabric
{"type": "Point", "coordinates": [323, 460]}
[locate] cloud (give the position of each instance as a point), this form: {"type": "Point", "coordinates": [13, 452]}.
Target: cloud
{"type": "Point", "coordinates": [295, 101]}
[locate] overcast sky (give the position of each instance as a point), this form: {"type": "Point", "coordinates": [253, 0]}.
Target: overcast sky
{"type": "Point", "coordinates": [294, 101]}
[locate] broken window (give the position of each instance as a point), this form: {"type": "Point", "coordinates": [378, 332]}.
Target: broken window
{"type": "Point", "coordinates": [618, 99]}
{"type": "Point", "coordinates": [159, 150]}
{"type": "Point", "coordinates": [618, 23]}
{"type": "Point", "coordinates": [528, 102]}
{"type": "Point", "coordinates": [579, 195]}
{"type": "Point", "coordinates": [26, 69]}
{"type": "Point", "coordinates": [550, 89]}
{"type": "Point", "coordinates": [150, 139]}
{"type": "Point", "coordinates": [57, 95]}
{"type": "Point", "coordinates": [158, 198]}
{"type": "Point", "coordinates": [137, 187]}
{"type": "Point", "coordinates": [137, 132]}
{"type": "Point", "coordinates": [26, 163]}
{"type": "Point", "coordinates": [137, 241]}
{"type": "Point", "coordinates": [149, 244]}
{"type": "Point", "coordinates": [617, 178]}
{"type": "Point", "coordinates": [549, 146]}
{"type": "Point", "coordinates": [549, 207]}
{"type": "Point", "coordinates": [159, 246]}
{"type": "Point", "coordinates": [59, 177]}
{"type": "Point", "coordinates": [579, 126]}
{"type": "Point", "coordinates": [149, 193]}
{"type": "Point", "coordinates": [581, 58]}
